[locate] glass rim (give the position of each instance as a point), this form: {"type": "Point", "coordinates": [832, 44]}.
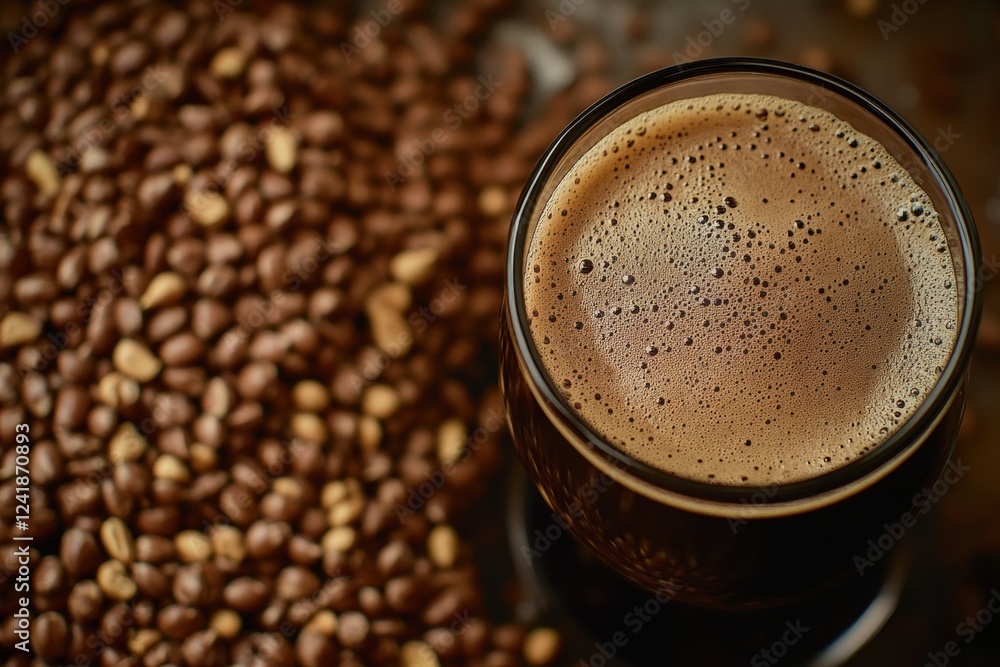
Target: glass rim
{"type": "Point", "coordinates": [931, 408]}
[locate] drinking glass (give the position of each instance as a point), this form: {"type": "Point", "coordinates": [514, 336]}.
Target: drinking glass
{"type": "Point", "coordinates": [733, 547]}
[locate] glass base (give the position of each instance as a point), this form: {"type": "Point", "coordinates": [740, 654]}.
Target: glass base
{"type": "Point", "coordinates": [607, 620]}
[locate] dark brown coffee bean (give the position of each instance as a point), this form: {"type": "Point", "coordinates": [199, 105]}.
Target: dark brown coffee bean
{"type": "Point", "coordinates": [394, 558]}
{"type": "Point", "coordinates": [256, 379]}
{"type": "Point", "coordinates": [204, 649]}
{"type": "Point", "coordinates": [182, 349]}
{"type": "Point", "coordinates": [442, 606]}
{"type": "Point", "coordinates": [154, 549]}
{"type": "Point", "coordinates": [50, 635]}
{"type": "Point", "coordinates": [303, 551]}
{"type": "Point", "coordinates": [217, 280]}
{"type": "Point", "coordinates": [239, 504]}
{"type": "Point", "coordinates": [265, 539]}
{"type": "Point", "coordinates": [208, 484]}
{"type": "Point", "coordinates": [116, 500]}
{"type": "Point", "coordinates": [115, 623]}
{"type": "Point", "coordinates": [128, 316]}
{"type": "Point", "coordinates": [36, 395]}
{"type": "Point", "coordinates": [246, 415]}
{"type": "Point", "coordinates": [133, 479]}
{"type": "Point", "coordinates": [246, 594]}
{"type": "Point", "coordinates": [166, 322]}
{"type": "Point", "coordinates": [71, 407]}
{"type": "Point", "coordinates": [198, 585]}
{"type": "Point", "coordinates": [402, 594]}
{"type": "Point", "coordinates": [314, 649]}
{"type": "Point", "coordinates": [46, 461]}
{"type": "Point", "coordinates": [501, 659]}
{"type": "Point", "coordinates": [189, 381]}
{"type": "Point", "coordinates": [150, 581]}
{"type": "Point", "coordinates": [50, 576]}
{"type": "Point", "coordinates": [186, 256]}
{"type": "Point", "coordinates": [102, 420]}
{"type": "Point", "coordinates": [129, 57]}
{"type": "Point", "coordinates": [176, 621]}
{"type": "Point", "coordinates": [295, 582]}
{"type": "Point", "coordinates": [163, 521]}
{"type": "Point", "coordinates": [85, 602]}
{"type": "Point", "coordinates": [79, 553]}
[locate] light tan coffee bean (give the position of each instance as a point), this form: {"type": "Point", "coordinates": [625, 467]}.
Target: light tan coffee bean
{"type": "Point", "coordinates": [541, 646]}
{"type": "Point", "coordinates": [19, 328]}
{"type": "Point", "coordinates": [117, 540]}
{"type": "Point", "coordinates": [413, 267]}
{"type": "Point", "coordinates": [193, 546]}
{"type": "Point", "coordinates": [115, 582]}
{"type": "Point", "coordinates": [134, 360]}
{"type": "Point", "coordinates": [164, 289]}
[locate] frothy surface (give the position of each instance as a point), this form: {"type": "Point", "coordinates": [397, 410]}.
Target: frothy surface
{"type": "Point", "coordinates": [742, 290]}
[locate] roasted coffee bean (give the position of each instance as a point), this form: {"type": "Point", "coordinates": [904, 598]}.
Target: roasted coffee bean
{"type": "Point", "coordinates": [227, 346]}
{"type": "Point", "coordinates": [163, 521]}
{"type": "Point", "coordinates": [150, 581]}
{"type": "Point", "coordinates": [154, 549]}
{"type": "Point", "coordinates": [314, 649]}
{"type": "Point", "coordinates": [198, 585]}
{"type": "Point", "coordinates": [50, 577]}
{"type": "Point", "coordinates": [117, 502]}
{"type": "Point", "coordinates": [246, 594]}
{"type": "Point", "coordinates": [352, 629]}
{"type": "Point", "coordinates": [85, 602]}
{"type": "Point", "coordinates": [167, 322]}
{"type": "Point", "coordinates": [117, 540]}
{"type": "Point", "coordinates": [50, 635]}
{"type": "Point", "coordinates": [79, 553]}
{"type": "Point", "coordinates": [115, 581]}
{"type": "Point", "coordinates": [266, 539]}
{"type": "Point", "coordinates": [296, 582]}
{"type": "Point", "coordinates": [177, 621]}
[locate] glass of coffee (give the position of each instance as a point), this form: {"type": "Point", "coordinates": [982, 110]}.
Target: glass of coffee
{"type": "Point", "coordinates": [741, 297]}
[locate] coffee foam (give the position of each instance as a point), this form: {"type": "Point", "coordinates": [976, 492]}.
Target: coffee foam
{"type": "Point", "coordinates": [741, 290]}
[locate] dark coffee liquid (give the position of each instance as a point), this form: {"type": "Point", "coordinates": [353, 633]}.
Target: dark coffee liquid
{"type": "Point", "coordinates": [742, 290]}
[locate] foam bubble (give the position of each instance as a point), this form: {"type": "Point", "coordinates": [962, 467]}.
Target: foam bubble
{"type": "Point", "coordinates": [780, 312]}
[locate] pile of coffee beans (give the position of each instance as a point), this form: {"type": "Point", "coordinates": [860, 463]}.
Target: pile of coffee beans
{"type": "Point", "coordinates": [250, 276]}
